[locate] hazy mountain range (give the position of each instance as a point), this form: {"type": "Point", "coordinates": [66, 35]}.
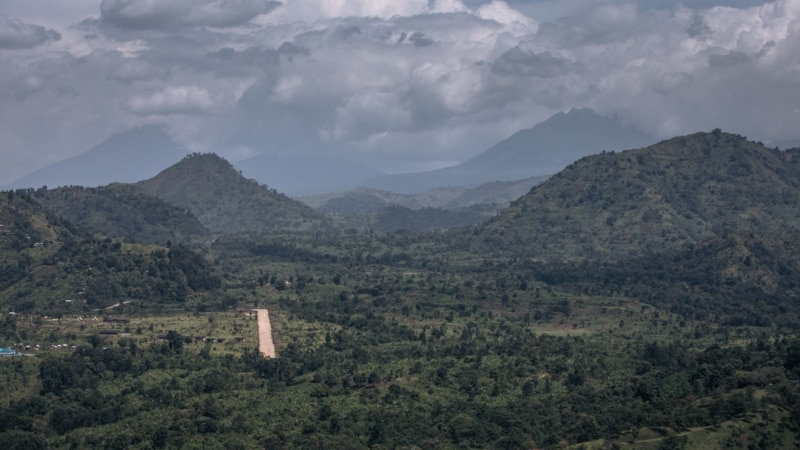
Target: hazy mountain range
{"type": "Point", "coordinates": [126, 157]}
{"type": "Point", "coordinates": [541, 150]}
{"type": "Point", "coordinates": [300, 175]}
{"type": "Point", "coordinates": [707, 206]}
{"type": "Point", "coordinates": [638, 202]}
{"type": "Point", "coordinates": [496, 194]}
{"type": "Point", "coordinates": [544, 149]}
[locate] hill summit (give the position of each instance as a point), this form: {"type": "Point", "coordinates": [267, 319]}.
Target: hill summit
{"type": "Point", "coordinates": [644, 201]}
{"type": "Point", "coordinates": [222, 199]}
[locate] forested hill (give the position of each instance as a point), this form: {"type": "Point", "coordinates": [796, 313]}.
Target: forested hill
{"type": "Point", "coordinates": [223, 200]}
{"type": "Point", "coordinates": [48, 265]}
{"type": "Point", "coordinates": [25, 226]}
{"type": "Point", "coordinates": [122, 211]}
{"type": "Point", "coordinates": [680, 191]}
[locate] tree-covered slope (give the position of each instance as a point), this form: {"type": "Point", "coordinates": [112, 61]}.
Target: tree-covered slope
{"type": "Point", "coordinates": [26, 236]}
{"type": "Point", "coordinates": [681, 191]}
{"type": "Point", "coordinates": [122, 211]}
{"type": "Point", "coordinates": [223, 200]}
{"type": "Point", "coordinates": [394, 340]}
{"type": "Point", "coordinates": [733, 279]}
{"type": "Point", "coordinates": [49, 266]}
{"type": "Point", "coordinates": [396, 218]}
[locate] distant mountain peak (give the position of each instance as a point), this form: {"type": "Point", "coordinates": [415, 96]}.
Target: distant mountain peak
{"type": "Point", "coordinates": [549, 146]}
{"type": "Point", "coordinates": [541, 150]}
{"type": "Point", "coordinates": [127, 157]}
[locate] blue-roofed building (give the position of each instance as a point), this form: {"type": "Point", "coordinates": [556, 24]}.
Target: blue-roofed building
{"type": "Point", "coordinates": [7, 352]}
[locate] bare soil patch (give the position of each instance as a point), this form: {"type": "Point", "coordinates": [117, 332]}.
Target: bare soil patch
{"type": "Point", "coordinates": [265, 344]}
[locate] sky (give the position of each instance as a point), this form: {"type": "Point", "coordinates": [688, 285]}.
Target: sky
{"type": "Point", "coordinates": [397, 86]}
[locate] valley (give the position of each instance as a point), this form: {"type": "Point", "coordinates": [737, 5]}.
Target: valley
{"type": "Point", "coordinates": [640, 299]}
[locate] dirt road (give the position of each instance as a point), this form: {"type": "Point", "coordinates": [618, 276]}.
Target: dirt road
{"type": "Point", "coordinates": [265, 345]}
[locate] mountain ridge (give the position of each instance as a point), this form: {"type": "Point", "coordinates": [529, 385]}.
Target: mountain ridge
{"type": "Point", "coordinates": [140, 153]}
{"type": "Point", "coordinates": [125, 157]}
{"type": "Point", "coordinates": [541, 150]}
{"type": "Point", "coordinates": [677, 192]}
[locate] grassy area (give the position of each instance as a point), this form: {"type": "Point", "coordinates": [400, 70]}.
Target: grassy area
{"type": "Point", "coordinates": [222, 332]}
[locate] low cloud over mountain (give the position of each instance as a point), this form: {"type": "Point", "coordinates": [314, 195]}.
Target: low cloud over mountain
{"type": "Point", "coordinates": [396, 86]}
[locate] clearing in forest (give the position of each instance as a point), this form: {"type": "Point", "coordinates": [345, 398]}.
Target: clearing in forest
{"type": "Point", "coordinates": [265, 344]}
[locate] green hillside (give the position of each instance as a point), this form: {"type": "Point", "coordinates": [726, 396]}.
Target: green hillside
{"type": "Point", "coordinates": [677, 192]}
{"type": "Point", "coordinates": [49, 266]}
{"type": "Point", "coordinates": [223, 200]}
{"type": "Point", "coordinates": [396, 218]}
{"type": "Point", "coordinates": [676, 328]}
{"type": "Point", "coordinates": [27, 236]}
{"type": "Point", "coordinates": [122, 211]}
{"type": "Point", "coordinates": [732, 280]}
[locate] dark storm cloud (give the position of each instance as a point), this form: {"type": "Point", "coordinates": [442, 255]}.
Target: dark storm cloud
{"type": "Point", "coordinates": [698, 27]}
{"type": "Point", "coordinates": [256, 60]}
{"type": "Point", "coordinates": [347, 33]}
{"type": "Point", "coordinates": [171, 14]}
{"type": "Point", "coordinates": [420, 40]}
{"type": "Point", "coordinates": [15, 34]}
{"type": "Point", "coordinates": [602, 25]}
{"type": "Point", "coordinates": [137, 70]}
{"type": "Point", "coordinates": [257, 56]}
{"type": "Point", "coordinates": [728, 59]}
{"type": "Point", "coordinates": [518, 62]}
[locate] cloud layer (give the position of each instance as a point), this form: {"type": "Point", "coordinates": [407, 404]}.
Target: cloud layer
{"type": "Point", "coordinates": [171, 14]}
{"type": "Point", "coordinates": [398, 85]}
{"type": "Point", "coordinates": [15, 34]}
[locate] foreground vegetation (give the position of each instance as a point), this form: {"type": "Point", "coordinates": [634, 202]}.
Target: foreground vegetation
{"type": "Point", "coordinates": [383, 349]}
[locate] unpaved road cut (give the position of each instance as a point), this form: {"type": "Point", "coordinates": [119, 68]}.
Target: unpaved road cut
{"type": "Point", "coordinates": [265, 344]}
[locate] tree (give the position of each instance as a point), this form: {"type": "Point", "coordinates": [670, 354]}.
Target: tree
{"type": "Point", "coordinates": [175, 341]}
